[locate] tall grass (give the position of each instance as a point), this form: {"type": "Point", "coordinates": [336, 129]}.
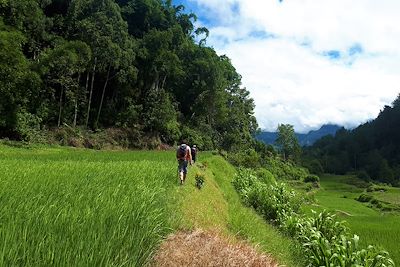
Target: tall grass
{"type": "Point", "coordinates": [83, 208]}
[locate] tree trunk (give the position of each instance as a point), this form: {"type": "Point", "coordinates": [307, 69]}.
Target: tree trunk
{"type": "Point", "coordinates": [102, 96]}
{"type": "Point", "coordinates": [87, 81]}
{"type": "Point", "coordinates": [76, 102]}
{"type": "Point", "coordinates": [91, 92]}
{"type": "Point", "coordinates": [60, 111]}
{"type": "Point", "coordinates": [163, 83]}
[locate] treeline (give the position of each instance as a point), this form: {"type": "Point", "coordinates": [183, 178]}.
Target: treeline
{"type": "Point", "coordinates": [372, 150]}
{"type": "Point", "coordinates": [139, 65]}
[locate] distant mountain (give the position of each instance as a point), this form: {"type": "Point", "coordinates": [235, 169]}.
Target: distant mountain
{"type": "Point", "coordinates": [304, 139]}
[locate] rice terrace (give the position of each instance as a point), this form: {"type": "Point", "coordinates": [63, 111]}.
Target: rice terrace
{"type": "Point", "coordinates": [169, 133]}
{"type": "Point", "coordinates": [77, 207]}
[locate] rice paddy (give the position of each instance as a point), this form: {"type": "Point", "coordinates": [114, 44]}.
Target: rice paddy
{"type": "Point", "coordinates": [373, 226]}
{"type": "Point", "coordinates": [67, 207]}
{"type": "Point", "coordinates": [77, 207]}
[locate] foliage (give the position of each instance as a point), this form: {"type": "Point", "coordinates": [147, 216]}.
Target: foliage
{"type": "Point", "coordinates": [313, 165]}
{"type": "Point", "coordinates": [363, 175]}
{"type": "Point", "coordinates": [365, 198]}
{"type": "Point", "coordinates": [311, 178]}
{"type": "Point", "coordinates": [28, 126]}
{"type": "Point", "coordinates": [288, 143]}
{"type": "Point", "coordinates": [199, 180]}
{"type": "Point", "coordinates": [270, 200]}
{"type": "Point", "coordinates": [329, 243]}
{"type": "Point", "coordinates": [119, 63]}
{"type": "Point", "coordinates": [372, 149]}
{"type": "Point", "coordinates": [326, 241]}
{"type": "Point", "coordinates": [247, 158]}
{"type": "Point", "coordinates": [265, 176]}
{"type": "Point", "coordinates": [19, 86]}
{"type": "Point", "coordinates": [284, 170]}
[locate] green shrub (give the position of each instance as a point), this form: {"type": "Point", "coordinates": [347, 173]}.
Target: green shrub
{"type": "Point", "coordinates": [243, 183]}
{"type": "Point", "coordinates": [326, 241]}
{"type": "Point", "coordinates": [201, 138]}
{"type": "Point", "coordinates": [248, 158]}
{"type": "Point", "coordinates": [270, 200]}
{"type": "Point", "coordinates": [28, 126]}
{"type": "Point", "coordinates": [363, 175]}
{"type": "Point", "coordinates": [285, 170]}
{"type": "Point", "coordinates": [309, 187]}
{"type": "Point", "coordinates": [311, 178]}
{"type": "Point", "coordinates": [364, 198]}
{"type": "Point", "coordinates": [199, 180]}
{"type": "Point", "coordinates": [374, 188]}
{"type": "Point", "coordinates": [329, 243]}
{"type": "Point", "coordinates": [314, 166]}
{"type": "Point", "coordinates": [265, 176]}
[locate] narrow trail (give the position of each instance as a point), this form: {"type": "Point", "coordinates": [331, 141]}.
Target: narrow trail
{"type": "Point", "coordinates": [199, 248]}
{"type": "Point", "coordinates": [208, 238]}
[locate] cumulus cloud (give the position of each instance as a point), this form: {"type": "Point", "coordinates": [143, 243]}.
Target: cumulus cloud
{"type": "Point", "coordinates": [310, 62]}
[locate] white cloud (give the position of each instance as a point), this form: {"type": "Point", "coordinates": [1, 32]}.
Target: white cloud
{"type": "Point", "coordinates": [290, 78]}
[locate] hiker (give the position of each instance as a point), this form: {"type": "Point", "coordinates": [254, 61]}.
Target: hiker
{"type": "Point", "coordinates": [194, 153]}
{"type": "Point", "coordinates": [184, 156]}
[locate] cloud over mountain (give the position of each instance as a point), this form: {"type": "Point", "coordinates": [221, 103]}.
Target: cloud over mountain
{"type": "Point", "coordinates": [308, 63]}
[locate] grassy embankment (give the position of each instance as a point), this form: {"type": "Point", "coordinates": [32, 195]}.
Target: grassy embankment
{"type": "Point", "coordinates": [73, 207]}
{"type": "Point", "coordinates": [338, 194]}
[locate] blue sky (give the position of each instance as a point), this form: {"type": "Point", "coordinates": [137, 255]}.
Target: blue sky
{"type": "Point", "coordinates": [306, 62]}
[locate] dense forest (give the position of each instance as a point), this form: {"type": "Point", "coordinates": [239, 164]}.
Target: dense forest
{"type": "Point", "coordinates": [137, 65]}
{"type": "Point", "coordinates": [372, 150]}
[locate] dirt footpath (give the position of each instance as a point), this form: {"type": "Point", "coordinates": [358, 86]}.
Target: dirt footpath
{"type": "Point", "coordinates": [199, 248]}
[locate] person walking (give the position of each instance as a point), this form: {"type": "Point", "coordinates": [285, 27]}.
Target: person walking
{"type": "Point", "coordinates": [194, 153]}
{"type": "Point", "coordinates": [184, 157]}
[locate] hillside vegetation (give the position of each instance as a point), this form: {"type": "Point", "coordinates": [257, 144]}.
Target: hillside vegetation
{"type": "Point", "coordinates": [141, 66]}
{"type": "Point", "coordinates": [372, 150]}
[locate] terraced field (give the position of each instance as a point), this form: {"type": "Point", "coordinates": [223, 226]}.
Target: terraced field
{"type": "Point", "coordinates": [338, 194]}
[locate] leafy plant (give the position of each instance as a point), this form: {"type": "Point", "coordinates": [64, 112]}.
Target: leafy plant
{"type": "Point", "coordinates": [199, 180]}
{"type": "Point", "coordinates": [311, 178]}
{"type": "Point", "coordinates": [325, 240]}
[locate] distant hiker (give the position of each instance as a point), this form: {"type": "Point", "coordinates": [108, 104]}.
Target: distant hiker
{"type": "Point", "coordinates": [194, 153]}
{"type": "Point", "coordinates": [184, 156]}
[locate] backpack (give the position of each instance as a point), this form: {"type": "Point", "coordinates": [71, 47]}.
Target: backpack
{"type": "Point", "coordinates": [181, 153]}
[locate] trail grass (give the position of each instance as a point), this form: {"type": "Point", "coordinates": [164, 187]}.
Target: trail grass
{"type": "Point", "coordinates": [373, 226]}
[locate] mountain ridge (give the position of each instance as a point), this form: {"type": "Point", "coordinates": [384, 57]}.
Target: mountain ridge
{"type": "Point", "coordinates": [307, 139]}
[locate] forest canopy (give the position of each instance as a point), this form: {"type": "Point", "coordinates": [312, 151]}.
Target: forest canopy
{"type": "Point", "coordinates": [372, 150]}
{"type": "Point", "coordinates": [139, 65]}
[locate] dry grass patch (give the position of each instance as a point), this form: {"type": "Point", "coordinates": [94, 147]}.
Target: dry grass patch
{"type": "Point", "coordinates": [199, 248]}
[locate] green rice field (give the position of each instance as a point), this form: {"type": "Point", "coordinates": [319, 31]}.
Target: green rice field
{"type": "Point", "coordinates": [68, 207]}
{"type": "Point", "coordinates": [373, 226]}
{"type": "Point", "coordinates": [76, 207]}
